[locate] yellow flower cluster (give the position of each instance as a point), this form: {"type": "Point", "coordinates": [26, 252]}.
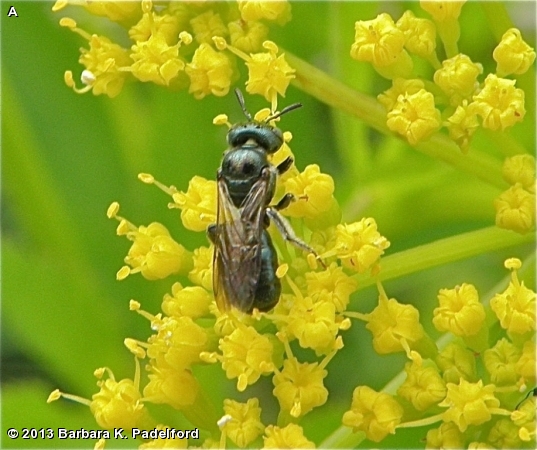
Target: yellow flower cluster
{"type": "Point", "coordinates": [471, 387]}
{"type": "Point", "coordinates": [455, 98]}
{"type": "Point", "coordinates": [181, 45]}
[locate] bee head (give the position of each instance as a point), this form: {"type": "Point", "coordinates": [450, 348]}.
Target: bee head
{"type": "Point", "coordinates": [257, 134]}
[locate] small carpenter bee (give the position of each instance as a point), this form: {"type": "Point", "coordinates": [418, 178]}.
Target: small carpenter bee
{"type": "Point", "coordinates": [245, 261]}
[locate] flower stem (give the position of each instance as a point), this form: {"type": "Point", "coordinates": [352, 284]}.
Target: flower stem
{"type": "Point", "coordinates": [338, 95]}
{"type": "Point", "coordinates": [444, 251]}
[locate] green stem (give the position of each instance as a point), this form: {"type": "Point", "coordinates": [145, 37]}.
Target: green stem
{"type": "Point", "coordinates": [338, 95]}
{"type": "Point", "coordinates": [445, 251]}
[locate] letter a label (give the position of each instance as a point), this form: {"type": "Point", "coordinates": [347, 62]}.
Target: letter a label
{"type": "Point", "coordinates": [12, 12]}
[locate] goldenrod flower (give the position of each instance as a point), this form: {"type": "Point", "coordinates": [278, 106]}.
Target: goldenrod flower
{"type": "Point", "coordinates": [118, 404]}
{"type": "Point", "coordinates": [423, 387]}
{"type": "Point", "coordinates": [400, 86]}
{"type": "Point", "coordinates": [359, 245]}
{"type": "Point", "coordinates": [515, 307]}
{"type": "Point", "coordinates": [268, 74]}
{"type": "Point", "coordinates": [246, 355]}
{"type": "Point", "coordinates": [458, 78]}
{"type": "Point", "coordinates": [197, 204]}
{"type": "Point", "coordinates": [414, 116]}
{"type": "Point", "coordinates": [191, 301]}
{"type": "Point", "coordinates": [210, 72]}
{"type": "Point", "coordinates": [245, 423]}
{"type": "Point", "coordinates": [153, 253]}
{"type": "Point", "coordinates": [456, 362]}
{"type": "Point", "coordinates": [247, 36]}
{"type": "Point", "coordinates": [513, 55]}
{"type": "Point", "coordinates": [504, 434]}
{"type": "Point", "coordinates": [156, 61]}
{"type": "Point", "coordinates": [299, 386]}
{"type": "Point", "coordinates": [171, 386]}
{"type": "Point", "coordinates": [520, 169]}
{"type": "Point", "coordinates": [313, 191]}
{"type": "Point", "coordinates": [313, 324]}
{"type": "Point", "coordinates": [207, 25]}
{"type": "Point", "coordinates": [460, 311]}
{"type": "Point", "coordinates": [446, 435]}
{"type": "Point", "coordinates": [375, 413]}
{"type": "Point", "coordinates": [420, 35]}
{"type": "Point", "coordinates": [279, 11]}
{"type": "Point", "coordinates": [500, 362]}
{"type": "Point", "coordinates": [462, 125]}
{"type": "Point", "coordinates": [499, 103]}
{"type": "Point", "coordinates": [381, 43]}
{"type": "Point", "coordinates": [469, 403]}
{"type": "Point", "coordinates": [332, 282]}
{"type": "Point", "coordinates": [394, 326]}
{"type": "Point", "coordinates": [515, 209]}
{"type": "Point", "coordinates": [104, 61]}
{"type": "Point", "coordinates": [290, 436]}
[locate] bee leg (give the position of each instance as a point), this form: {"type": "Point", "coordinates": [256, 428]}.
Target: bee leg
{"type": "Point", "coordinates": [287, 232]}
{"type": "Point", "coordinates": [285, 165]}
{"type": "Point", "coordinates": [211, 232]}
{"type": "Point", "coordinates": [284, 202]}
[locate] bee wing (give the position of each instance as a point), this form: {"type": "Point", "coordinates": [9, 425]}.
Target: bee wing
{"type": "Point", "coordinates": [237, 247]}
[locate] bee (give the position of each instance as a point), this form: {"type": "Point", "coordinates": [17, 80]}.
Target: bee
{"type": "Point", "coordinates": [245, 260]}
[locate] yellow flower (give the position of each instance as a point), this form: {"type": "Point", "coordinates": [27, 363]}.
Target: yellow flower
{"type": "Point", "coordinates": [376, 414]}
{"type": "Point", "coordinates": [458, 78]}
{"type": "Point", "coordinates": [118, 404]}
{"type": "Point", "coordinates": [500, 362]}
{"type": "Point", "coordinates": [400, 86]}
{"type": "Point", "coordinates": [279, 11]}
{"type": "Point", "coordinates": [156, 61]}
{"type": "Point", "coordinates": [462, 125]}
{"type": "Point", "coordinates": [191, 301]}
{"type": "Point", "coordinates": [332, 282]}
{"type": "Point", "coordinates": [456, 362]}
{"type": "Point", "coordinates": [520, 169]}
{"type": "Point", "coordinates": [118, 11]}
{"type": "Point", "coordinates": [104, 61]}
{"type": "Point", "coordinates": [414, 116]}
{"type": "Point", "coordinates": [207, 25]}
{"type": "Point", "coordinates": [166, 25]}
{"type": "Point", "coordinates": [210, 72]}
{"type": "Point", "coordinates": [290, 436]}
{"type": "Point", "coordinates": [381, 43]}
{"type": "Point", "coordinates": [513, 55]}
{"type": "Point", "coordinates": [460, 311]}
{"type": "Point", "coordinates": [499, 103]}
{"type": "Point", "coordinates": [515, 209]}
{"type": "Point", "coordinates": [175, 387]}
{"type": "Point", "coordinates": [515, 307]}
{"type": "Point", "coordinates": [268, 74]}
{"type": "Point", "coordinates": [197, 204]}
{"type": "Point", "coordinates": [313, 191]}
{"type": "Point", "coordinates": [446, 435]}
{"type": "Point", "coordinates": [153, 253]}
{"type": "Point", "coordinates": [394, 326]}
{"type": "Point", "coordinates": [202, 273]}
{"type": "Point", "coordinates": [245, 424]}
{"type": "Point", "coordinates": [420, 34]}
{"type": "Point", "coordinates": [525, 366]}
{"type": "Point", "coordinates": [442, 11]}
{"type": "Point", "coordinates": [504, 434]}
{"type": "Point", "coordinates": [469, 403]}
{"type": "Point", "coordinates": [359, 245]}
{"type": "Point", "coordinates": [247, 36]}
{"type": "Point", "coordinates": [299, 386]}
{"type": "Point", "coordinates": [313, 324]}
{"type": "Point", "coordinates": [423, 387]}
{"type": "Point", "coordinates": [246, 355]}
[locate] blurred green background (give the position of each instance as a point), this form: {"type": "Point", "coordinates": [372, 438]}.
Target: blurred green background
{"type": "Point", "coordinates": [66, 157]}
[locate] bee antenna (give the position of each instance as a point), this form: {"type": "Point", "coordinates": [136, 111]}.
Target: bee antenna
{"type": "Point", "coordinates": [284, 111]}
{"type": "Point", "coordinates": [240, 98]}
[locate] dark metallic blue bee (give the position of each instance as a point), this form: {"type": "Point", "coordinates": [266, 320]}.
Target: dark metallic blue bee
{"type": "Point", "coordinates": [245, 261]}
